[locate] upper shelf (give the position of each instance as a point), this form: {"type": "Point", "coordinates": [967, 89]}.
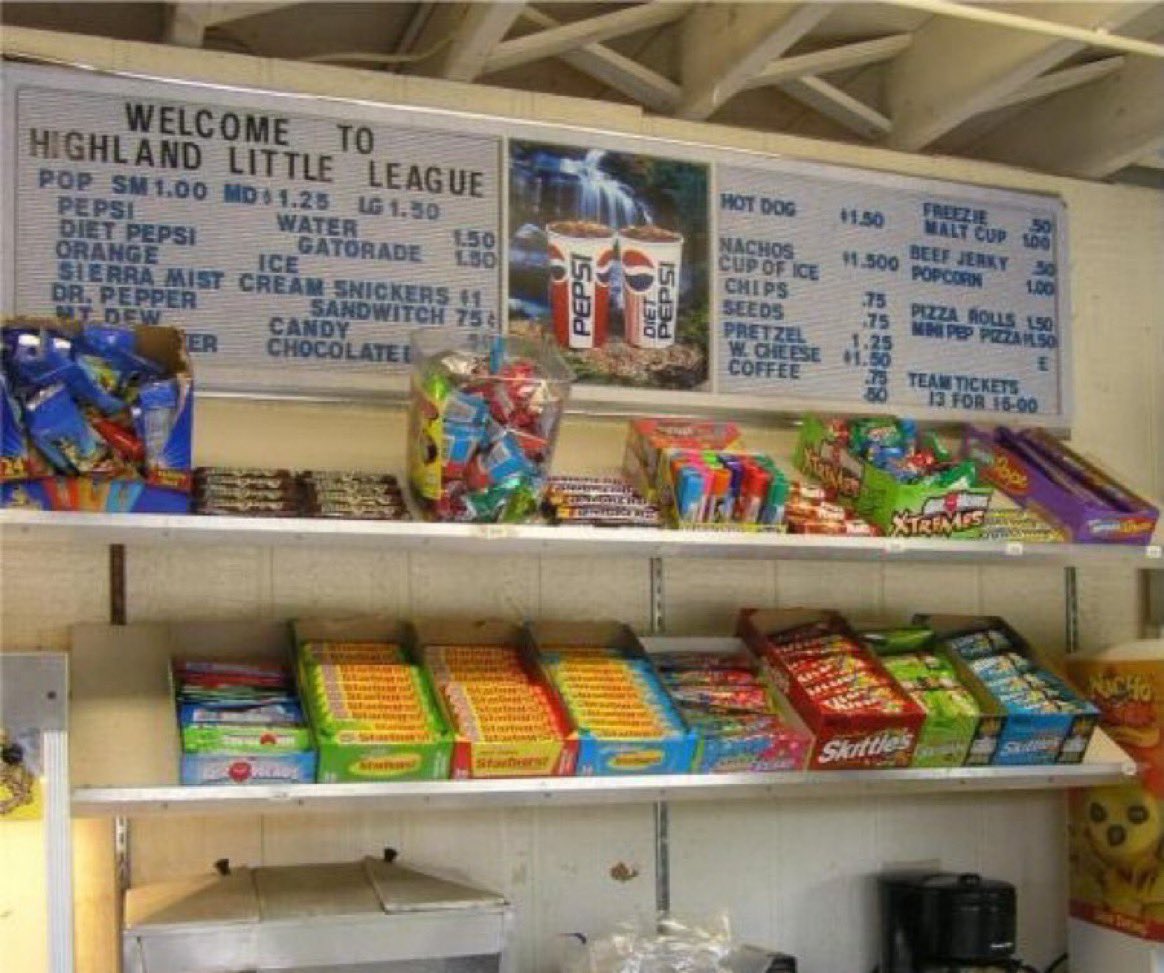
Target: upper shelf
{"type": "Point", "coordinates": [502, 539]}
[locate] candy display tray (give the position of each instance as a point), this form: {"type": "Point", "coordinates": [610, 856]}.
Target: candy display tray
{"type": "Point", "coordinates": [601, 756]}
{"type": "Point", "coordinates": [339, 762]}
{"type": "Point", "coordinates": [1026, 738]}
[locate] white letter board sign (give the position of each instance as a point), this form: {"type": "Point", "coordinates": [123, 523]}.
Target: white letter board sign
{"type": "Point", "coordinates": [298, 241]}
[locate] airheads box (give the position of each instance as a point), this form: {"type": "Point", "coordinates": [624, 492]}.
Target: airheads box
{"type": "Point", "coordinates": [647, 439]}
{"type": "Point", "coordinates": [600, 755]}
{"type": "Point", "coordinates": [345, 760]}
{"type": "Point", "coordinates": [551, 757]}
{"type": "Point", "coordinates": [1027, 737]}
{"type": "Point", "coordinates": [899, 509]}
{"type": "Point", "coordinates": [1046, 477]}
{"type": "Point", "coordinates": [844, 741]}
{"type": "Point", "coordinates": [26, 480]}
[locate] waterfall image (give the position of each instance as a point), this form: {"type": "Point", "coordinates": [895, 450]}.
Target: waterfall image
{"type": "Point", "coordinates": [608, 253]}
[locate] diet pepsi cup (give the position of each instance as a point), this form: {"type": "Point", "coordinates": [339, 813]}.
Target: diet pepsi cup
{"type": "Point", "coordinates": [581, 258]}
{"type": "Point", "coordinates": [651, 258]}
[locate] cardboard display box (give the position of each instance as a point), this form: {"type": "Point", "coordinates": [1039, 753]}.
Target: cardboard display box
{"type": "Point", "coordinates": [340, 760]}
{"type": "Point", "coordinates": [166, 487]}
{"type": "Point", "coordinates": [601, 756]}
{"type": "Point", "coordinates": [482, 758]}
{"type": "Point", "coordinates": [1026, 738]}
{"type": "Point", "coordinates": [843, 741]}
{"type": "Point", "coordinates": [898, 509]}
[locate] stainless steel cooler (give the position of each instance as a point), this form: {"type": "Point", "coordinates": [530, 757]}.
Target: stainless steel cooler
{"type": "Point", "coordinates": [355, 918]}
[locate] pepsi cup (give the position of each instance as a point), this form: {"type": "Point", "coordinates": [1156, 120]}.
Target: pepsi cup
{"type": "Point", "coordinates": [581, 256]}
{"type": "Point", "coordinates": [651, 259]}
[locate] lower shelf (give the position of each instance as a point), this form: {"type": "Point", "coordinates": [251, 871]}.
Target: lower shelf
{"type": "Point", "coordinates": [1105, 763]}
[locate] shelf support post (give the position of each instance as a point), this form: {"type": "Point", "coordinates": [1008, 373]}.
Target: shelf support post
{"type": "Point", "coordinates": [1071, 608]}
{"type": "Point", "coordinates": [662, 809]}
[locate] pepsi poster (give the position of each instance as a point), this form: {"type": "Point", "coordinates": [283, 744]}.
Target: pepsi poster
{"type": "Point", "coordinates": [608, 253]}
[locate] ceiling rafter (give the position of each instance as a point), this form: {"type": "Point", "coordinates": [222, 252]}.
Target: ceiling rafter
{"type": "Point", "coordinates": [461, 37]}
{"type": "Point", "coordinates": [954, 70]}
{"type": "Point", "coordinates": [833, 102]}
{"type": "Point", "coordinates": [831, 59]}
{"type": "Point", "coordinates": [637, 81]}
{"type": "Point", "coordinates": [1091, 131]}
{"type": "Point", "coordinates": [186, 23]}
{"type": "Point", "coordinates": [724, 46]}
{"type": "Point", "coordinates": [568, 37]}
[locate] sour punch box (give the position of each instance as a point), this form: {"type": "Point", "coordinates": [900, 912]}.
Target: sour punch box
{"type": "Point", "coordinates": [860, 717]}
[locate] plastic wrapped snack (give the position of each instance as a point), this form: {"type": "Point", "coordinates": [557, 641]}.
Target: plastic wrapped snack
{"type": "Point", "coordinates": [483, 423]}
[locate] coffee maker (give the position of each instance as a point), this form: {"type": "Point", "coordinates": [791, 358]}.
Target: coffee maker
{"type": "Point", "coordinates": [943, 922]}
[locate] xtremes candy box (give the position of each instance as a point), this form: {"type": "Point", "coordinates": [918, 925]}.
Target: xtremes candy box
{"type": "Point", "coordinates": [1047, 721]}
{"type": "Point", "coordinates": [624, 719]}
{"type": "Point", "coordinates": [94, 418]}
{"type": "Point", "coordinates": [1048, 478]}
{"type": "Point", "coordinates": [860, 716]}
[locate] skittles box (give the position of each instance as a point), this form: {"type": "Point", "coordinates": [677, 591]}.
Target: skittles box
{"type": "Point", "coordinates": [624, 719]}
{"type": "Point", "coordinates": [1117, 832]}
{"type": "Point", "coordinates": [904, 483]}
{"type": "Point", "coordinates": [1049, 479]}
{"type": "Point", "coordinates": [94, 418]}
{"type": "Point", "coordinates": [506, 717]}
{"type": "Point", "coordinates": [1047, 721]}
{"type": "Point", "coordinates": [858, 714]}
{"type": "Point", "coordinates": [963, 721]}
{"type": "Point", "coordinates": [371, 704]}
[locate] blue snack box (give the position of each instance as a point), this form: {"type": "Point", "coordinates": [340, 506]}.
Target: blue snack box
{"type": "Point", "coordinates": [257, 768]}
{"type": "Point", "coordinates": [1027, 737]}
{"type": "Point", "coordinates": [600, 756]}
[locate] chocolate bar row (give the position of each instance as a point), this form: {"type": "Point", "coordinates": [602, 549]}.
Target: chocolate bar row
{"type": "Point", "coordinates": [222, 491]}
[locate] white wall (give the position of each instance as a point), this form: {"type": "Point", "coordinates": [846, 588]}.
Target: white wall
{"type": "Point", "coordinates": [793, 874]}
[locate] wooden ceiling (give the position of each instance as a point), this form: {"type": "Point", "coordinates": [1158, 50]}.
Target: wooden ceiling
{"type": "Point", "coordinates": [1069, 88]}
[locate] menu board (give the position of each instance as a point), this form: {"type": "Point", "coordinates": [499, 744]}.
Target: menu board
{"type": "Point", "coordinates": [923, 296]}
{"type": "Point", "coordinates": [299, 242]}
{"type": "Point", "coordinates": [285, 243]}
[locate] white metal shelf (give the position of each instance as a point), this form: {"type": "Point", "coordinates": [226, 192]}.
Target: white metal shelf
{"type": "Point", "coordinates": [1109, 766]}
{"type": "Point", "coordinates": [508, 539]}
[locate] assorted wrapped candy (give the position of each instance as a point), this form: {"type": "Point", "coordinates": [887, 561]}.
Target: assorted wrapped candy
{"type": "Point", "coordinates": [896, 446]}
{"type": "Point", "coordinates": [83, 402]}
{"type": "Point", "coordinates": [483, 424]}
{"type": "Point", "coordinates": [723, 698]}
{"type": "Point", "coordinates": [705, 488]}
{"type": "Point", "coordinates": [600, 501]}
{"type": "Point", "coordinates": [312, 493]}
{"type": "Point", "coordinates": [812, 510]}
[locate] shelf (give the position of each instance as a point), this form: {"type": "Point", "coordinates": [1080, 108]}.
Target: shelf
{"type": "Point", "coordinates": [125, 749]}
{"type": "Point", "coordinates": [1105, 764]}
{"type": "Point", "coordinates": [514, 539]}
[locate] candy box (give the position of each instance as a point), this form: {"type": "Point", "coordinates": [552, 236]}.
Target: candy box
{"type": "Point", "coordinates": [949, 737]}
{"type": "Point", "coordinates": [647, 439]}
{"type": "Point", "coordinates": [628, 753]}
{"type": "Point", "coordinates": [1027, 737]}
{"type": "Point", "coordinates": [29, 481]}
{"type": "Point", "coordinates": [342, 759]}
{"type": "Point", "coordinates": [1049, 478]}
{"type": "Point", "coordinates": [721, 490]}
{"type": "Point", "coordinates": [554, 756]}
{"type": "Point", "coordinates": [869, 738]}
{"type": "Point", "coordinates": [1115, 831]}
{"type": "Point", "coordinates": [483, 423]}
{"type": "Point", "coordinates": [722, 749]}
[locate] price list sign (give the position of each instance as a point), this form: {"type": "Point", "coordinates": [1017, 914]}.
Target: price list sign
{"type": "Point", "coordinates": [907, 294]}
{"type": "Point", "coordinates": [296, 250]}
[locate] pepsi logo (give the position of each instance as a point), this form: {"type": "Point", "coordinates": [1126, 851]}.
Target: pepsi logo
{"type": "Point", "coordinates": [602, 266]}
{"type": "Point", "coordinates": [557, 264]}
{"type": "Point", "coordinates": [638, 271]}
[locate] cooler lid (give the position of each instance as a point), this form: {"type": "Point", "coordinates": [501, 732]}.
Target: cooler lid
{"type": "Point", "coordinates": [400, 889]}
{"type": "Point", "coordinates": [314, 891]}
{"type": "Point", "coordinates": [204, 899]}
{"type": "Point", "coordinates": [966, 882]}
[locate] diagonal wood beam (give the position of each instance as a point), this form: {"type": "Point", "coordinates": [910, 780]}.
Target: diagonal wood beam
{"type": "Point", "coordinates": [186, 23]}
{"type": "Point", "coordinates": [464, 35]}
{"type": "Point", "coordinates": [724, 46]}
{"type": "Point", "coordinates": [840, 106]}
{"type": "Point", "coordinates": [1091, 131]}
{"type": "Point", "coordinates": [831, 59]}
{"type": "Point", "coordinates": [568, 37]}
{"type": "Point", "coordinates": [633, 79]}
{"type": "Point", "coordinates": [955, 70]}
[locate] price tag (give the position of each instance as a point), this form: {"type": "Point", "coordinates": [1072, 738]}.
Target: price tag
{"type": "Point", "coordinates": [1013, 549]}
{"type": "Point", "coordinates": [1154, 552]}
{"type": "Point", "coordinates": [895, 545]}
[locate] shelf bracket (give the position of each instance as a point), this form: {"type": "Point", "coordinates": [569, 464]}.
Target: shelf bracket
{"type": "Point", "coordinates": [1071, 608]}
{"type": "Point", "coordinates": [662, 809]}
